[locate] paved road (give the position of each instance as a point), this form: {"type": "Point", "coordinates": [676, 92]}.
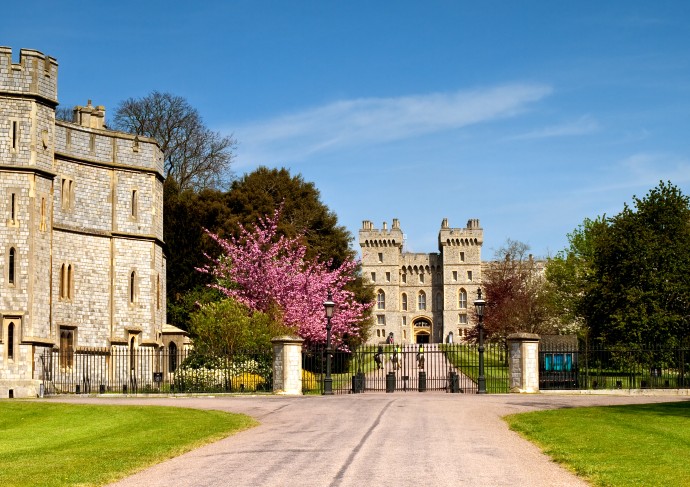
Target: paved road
{"type": "Point", "coordinates": [370, 440]}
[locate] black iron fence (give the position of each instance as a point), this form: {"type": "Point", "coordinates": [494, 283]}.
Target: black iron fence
{"type": "Point", "coordinates": [583, 366]}
{"type": "Point", "coordinates": [148, 370]}
{"type": "Point", "coordinates": [450, 368]}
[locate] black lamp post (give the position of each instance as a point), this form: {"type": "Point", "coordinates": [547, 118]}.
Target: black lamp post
{"type": "Point", "coordinates": [479, 307]}
{"type": "Point", "coordinates": [329, 306]}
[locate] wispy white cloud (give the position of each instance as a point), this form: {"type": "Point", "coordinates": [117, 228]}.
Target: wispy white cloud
{"type": "Point", "coordinates": [583, 125]}
{"type": "Point", "coordinates": [643, 171]}
{"type": "Point", "coordinates": [369, 121]}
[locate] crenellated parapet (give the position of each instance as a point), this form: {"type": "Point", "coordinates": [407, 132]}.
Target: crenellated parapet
{"type": "Point", "coordinates": [383, 237]}
{"type": "Point", "coordinates": [35, 75]}
{"type": "Point", "coordinates": [470, 236]}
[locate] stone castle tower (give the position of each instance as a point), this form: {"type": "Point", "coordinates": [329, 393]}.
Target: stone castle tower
{"type": "Point", "coordinates": [422, 298]}
{"type": "Point", "coordinates": [81, 228]}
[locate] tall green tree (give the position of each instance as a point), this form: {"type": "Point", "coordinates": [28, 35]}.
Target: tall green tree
{"type": "Point", "coordinates": [640, 290]}
{"type": "Point", "coordinates": [262, 191]}
{"type": "Point", "coordinates": [569, 276]}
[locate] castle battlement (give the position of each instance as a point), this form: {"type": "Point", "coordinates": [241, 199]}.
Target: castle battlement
{"type": "Point", "coordinates": [383, 237]}
{"type": "Point", "coordinates": [35, 74]}
{"type": "Point", "coordinates": [471, 235]}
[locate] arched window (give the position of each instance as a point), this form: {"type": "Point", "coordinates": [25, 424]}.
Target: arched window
{"type": "Point", "coordinates": [11, 266]}
{"type": "Point", "coordinates": [421, 301]}
{"type": "Point", "coordinates": [381, 300]}
{"type": "Point", "coordinates": [132, 287]}
{"type": "Point", "coordinates": [172, 360]}
{"type": "Point", "coordinates": [403, 301]}
{"type": "Point", "coordinates": [132, 354]}
{"type": "Point", "coordinates": [63, 282]}
{"type": "Point", "coordinates": [70, 284]}
{"type": "Point", "coordinates": [462, 299]}
{"type": "Point", "coordinates": [10, 341]}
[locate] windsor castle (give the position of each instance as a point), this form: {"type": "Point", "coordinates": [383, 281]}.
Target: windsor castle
{"type": "Point", "coordinates": [422, 297]}
{"type": "Point", "coordinates": [81, 231]}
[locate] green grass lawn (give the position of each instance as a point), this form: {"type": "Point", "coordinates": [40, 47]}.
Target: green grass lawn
{"type": "Point", "coordinates": [48, 444]}
{"type": "Point", "coordinates": [466, 360]}
{"type": "Point", "coordinates": [643, 445]}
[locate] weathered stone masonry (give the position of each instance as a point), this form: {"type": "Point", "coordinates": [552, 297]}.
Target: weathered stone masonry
{"type": "Point", "coordinates": [81, 228]}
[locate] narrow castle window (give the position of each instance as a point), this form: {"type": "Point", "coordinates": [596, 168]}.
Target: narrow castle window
{"type": "Point", "coordinates": [469, 275]}
{"type": "Point", "coordinates": [42, 225]}
{"type": "Point", "coordinates": [455, 275]}
{"type": "Point", "coordinates": [373, 277]}
{"type": "Point", "coordinates": [11, 267]}
{"type": "Point", "coordinates": [70, 282]}
{"type": "Point", "coordinates": [388, 277]}
{"type": "Point", "coordinates": [380, 257]}
{"type": "Point", "coordinates": [421, 302]}
{"type": "Point", "coordinates": [13, 207]}
{"type": "Point", "coordinates": [403, 300]}
{"type": "Point", "coordinates": [381, 320]}
{"type": "Point", "coordinates": [404, 278]}
{"type": "Point", "coordinates": [381, 300]}
{"type": "Point", "coordinates": [132, 287]}
{"type": "Point", "coordinates": [10, 341]}
{"type": "Point", "coordinates": [67, 194]}
{"type": "Point", "coordinates": [421, 278]}
{"type": "Point", "coordinates": [462, 256]}
{"type": "Point", "coordinates": [134, 204]}
{"type": "Point", "coordinates": [63, 281]}
{"type": "Point", "coordinates": [15, 135]}
{"type": "Point", "coordinates": [404, 320]}
{"type": "Point", "coordinates": [462, 299]}
{"type": "Point", "coordinates": [439, 302]}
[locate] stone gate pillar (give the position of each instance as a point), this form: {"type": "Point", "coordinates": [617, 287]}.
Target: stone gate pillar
{"type": "Point", "coordinates": [287, 365]}
{"type": "Point", "coordinates": [523, 350]}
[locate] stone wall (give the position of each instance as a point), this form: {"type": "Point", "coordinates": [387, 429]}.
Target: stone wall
{"type": "Point", "coordinates": [81, 209]}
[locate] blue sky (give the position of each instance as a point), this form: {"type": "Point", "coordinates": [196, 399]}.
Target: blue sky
{"type": "Point", "coordinates": [530, 116]}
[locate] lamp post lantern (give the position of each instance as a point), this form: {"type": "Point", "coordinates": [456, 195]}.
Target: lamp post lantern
{"type": "Point", "coordinates": [329, 306]}
{"type": "Point", "coordinates": [479, 307]}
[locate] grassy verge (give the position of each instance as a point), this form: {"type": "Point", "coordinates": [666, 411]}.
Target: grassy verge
{"type": "Point", "coordinates": [466, 360]}
{"type": "Point", "coordinates": [59, 444]}
{"type": "Point", "coordinates": [615, 446]}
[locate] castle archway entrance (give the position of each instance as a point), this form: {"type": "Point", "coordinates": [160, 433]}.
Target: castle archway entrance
{"type": "Point", "coordinates": [422, 330]}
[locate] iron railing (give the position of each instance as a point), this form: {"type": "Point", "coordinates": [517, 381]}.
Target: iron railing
{"type": "Point", "coordinates": [148, 370]}
{"type": "Point", "coordinates": [594, 367]}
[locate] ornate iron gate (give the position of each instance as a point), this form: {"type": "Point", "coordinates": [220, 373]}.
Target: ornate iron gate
{"type": "Point", "coordinates": [403, 368]}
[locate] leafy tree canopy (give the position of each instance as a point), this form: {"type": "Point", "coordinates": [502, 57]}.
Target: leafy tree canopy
{"type": "Point", "coordinates": [223, 328]}
{"type": "Point", "coordinates": [627, 277]}
{"type": "Point", "coordinates": [640, 289]}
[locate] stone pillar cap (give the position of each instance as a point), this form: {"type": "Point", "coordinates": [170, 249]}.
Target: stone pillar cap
{"type": "Point", "coordinates": [523, 336]}
{"type": "Point", "coordinates": [287, 339]}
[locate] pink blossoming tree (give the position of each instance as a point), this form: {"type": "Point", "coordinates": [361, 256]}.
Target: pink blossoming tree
{"type": "Point", "coordinates": [266, 271]}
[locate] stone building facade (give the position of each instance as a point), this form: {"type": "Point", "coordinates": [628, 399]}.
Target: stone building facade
{"type": "Point", "coordinates": [81, 229]}
{"type": "Point", "coordinates": [422, 297]}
